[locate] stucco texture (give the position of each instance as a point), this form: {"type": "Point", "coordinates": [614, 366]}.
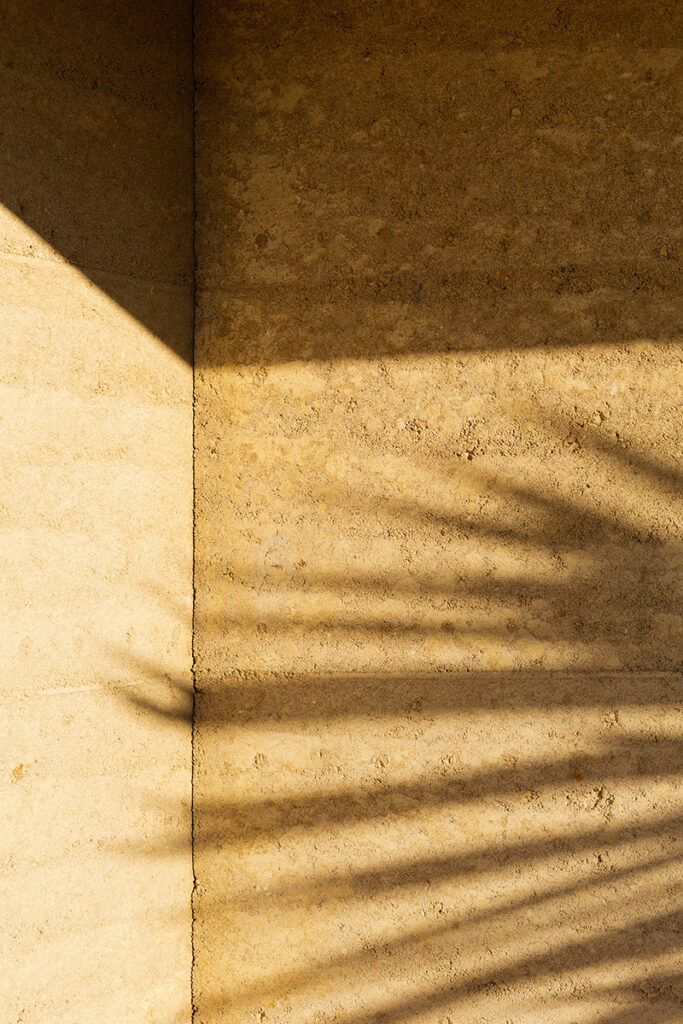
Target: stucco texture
{"type": "Point", "coordinates": [438, 513]}
{"type": "Point", "coordinates": [95, 512]}
{"type": "Point", "coordinates": [432, 256]}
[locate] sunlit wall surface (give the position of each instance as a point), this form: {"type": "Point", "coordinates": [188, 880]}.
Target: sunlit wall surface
{"type": "Point", "coordinates": [95, 511]}
{"type": "Point", "coordinates": [438, 513]}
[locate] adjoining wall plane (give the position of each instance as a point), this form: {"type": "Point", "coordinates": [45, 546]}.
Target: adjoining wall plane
{"type": "Point", "coordinates": [96, 528]}
{"type": "Point", "coordinates": [438, 553]}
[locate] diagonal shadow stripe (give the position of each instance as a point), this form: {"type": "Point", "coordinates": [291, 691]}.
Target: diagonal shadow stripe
{"type": "Point", "coordinates": [90, 94]}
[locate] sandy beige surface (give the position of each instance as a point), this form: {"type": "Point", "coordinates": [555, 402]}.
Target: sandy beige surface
{"type": "Point", "coordinates": [438, 553]}
{"type": "Point", "coordinates": [95, 512]}
{"type": "Point", "coordinates": [437, 512]}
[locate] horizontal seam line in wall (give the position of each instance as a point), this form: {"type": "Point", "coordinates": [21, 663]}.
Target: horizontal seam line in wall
{"type": "Point", "coordinates": [438, 278]}
{"type": "Point", "coordinates": [517, 674]}
{"type": "Point", "coordinates": [88, 270]}
{"type": "Point", "coordinates": [59, 690]}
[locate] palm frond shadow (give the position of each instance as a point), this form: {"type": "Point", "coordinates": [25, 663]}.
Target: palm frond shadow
{"type": "Point", "coordinates": [383, 847]}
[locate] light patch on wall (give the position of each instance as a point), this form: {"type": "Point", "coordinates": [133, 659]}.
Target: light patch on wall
{"type": "Point", "coordinates": [95, 583]}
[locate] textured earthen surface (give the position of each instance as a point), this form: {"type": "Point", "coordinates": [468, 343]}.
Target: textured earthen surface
{"type": "Point", "coordinates": [438, 512]}
{"type": "Point", "coordinates": [96, 512]}
{"type": "Point", "coordinates": [438, 553]}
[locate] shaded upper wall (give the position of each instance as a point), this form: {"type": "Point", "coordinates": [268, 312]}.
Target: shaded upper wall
{"type": "Point", "coordinates": [500, 175]}
{"type": "Point", "coordinates": [90, 91]}
{"type": "Point", "coordinates": [92, 94]}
